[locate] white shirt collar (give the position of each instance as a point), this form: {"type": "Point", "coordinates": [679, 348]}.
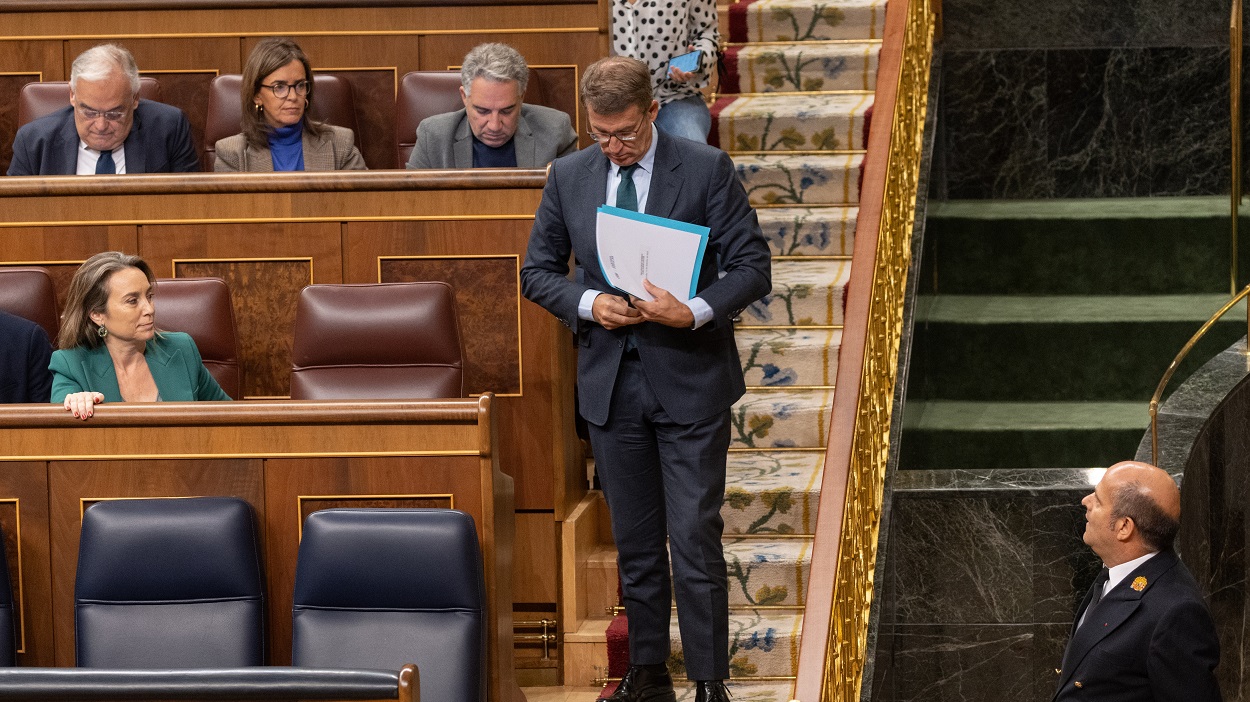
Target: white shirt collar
{"type": "Point", "coordinates": [1120, 572]}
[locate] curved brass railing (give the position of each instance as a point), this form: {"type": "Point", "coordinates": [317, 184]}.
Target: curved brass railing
{"type": "Point", "coordinates": [1234, 108]}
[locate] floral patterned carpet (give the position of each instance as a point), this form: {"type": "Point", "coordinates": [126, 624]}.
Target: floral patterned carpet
{"type": "Point", "coordinates": [793, 112]}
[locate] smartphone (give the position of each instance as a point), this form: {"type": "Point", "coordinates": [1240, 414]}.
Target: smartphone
{"type": "Point", "coordinates": [687, 62]}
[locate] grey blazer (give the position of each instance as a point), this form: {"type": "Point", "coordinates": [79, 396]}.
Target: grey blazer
{"type": "Point", "coordinates": [445, 141]}
{"type": "Point", "coordinates": [333, 151]}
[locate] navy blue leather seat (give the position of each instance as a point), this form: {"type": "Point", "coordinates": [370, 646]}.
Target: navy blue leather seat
{"type": "Point", "coordinates": [8, 616]}
{"type": "Point", "coordinates": [169, 584]}
{"type": "Point", "coordinates": [380, 588]}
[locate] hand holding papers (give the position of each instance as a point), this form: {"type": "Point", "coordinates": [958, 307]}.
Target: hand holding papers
{"type": "Point", "coordinates": [634, 246]}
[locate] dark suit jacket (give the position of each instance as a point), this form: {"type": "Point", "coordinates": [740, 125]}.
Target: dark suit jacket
{"type": "Point", "coordinates": [695, 372]}
{"type": "Point", "coordinates": [159, 142]}
{"type": "Point", "coordinates": [24, 354]}
{"type": "Point", "coordinates": [174, 360]}
{"type": "Point", "coordinates": [446, 140]}
{"type": "Point", "coordinates": [1158, 643]}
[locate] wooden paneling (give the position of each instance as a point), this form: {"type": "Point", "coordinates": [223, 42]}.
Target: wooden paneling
{"type": "Point", "coordinates": [24, 516]}
{"type": "Point", "coordinates": [533, 577]}
{"type": "Point", "coordinates": [71, 483]}
{"type": "Point", "coordinates": [10, 85]}
{"type": "Point", "coordinates": [487, 302]}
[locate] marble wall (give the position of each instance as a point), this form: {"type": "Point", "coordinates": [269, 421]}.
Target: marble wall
{"type": "Point", "coordinates": [1084, 98]}
{"type": "Point", "coordinates": [983, 574]}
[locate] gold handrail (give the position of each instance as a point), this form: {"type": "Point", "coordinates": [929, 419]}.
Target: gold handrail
{"type": "Point", "coordinates": [1154, 399]}
{"type": "Point", "coordinates": [1234, 84]}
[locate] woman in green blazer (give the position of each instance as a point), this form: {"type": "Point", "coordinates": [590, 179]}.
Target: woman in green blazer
{"type": "Point", "coordinates": [110, 350]}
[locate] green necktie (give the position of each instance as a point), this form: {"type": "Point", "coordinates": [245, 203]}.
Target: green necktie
{"type": "Point", "coordinates": [626, 193]}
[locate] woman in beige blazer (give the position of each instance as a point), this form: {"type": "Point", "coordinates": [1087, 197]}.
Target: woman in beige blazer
{"type": "Point", "coordinates": [278, 134]}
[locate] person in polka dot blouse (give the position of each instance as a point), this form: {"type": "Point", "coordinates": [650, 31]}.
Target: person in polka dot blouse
{"type": "Point", "coordinates": [654, 31]}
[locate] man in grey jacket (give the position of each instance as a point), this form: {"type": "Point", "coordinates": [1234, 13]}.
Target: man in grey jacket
{"type": "Point", "coordinates": [495, 129]}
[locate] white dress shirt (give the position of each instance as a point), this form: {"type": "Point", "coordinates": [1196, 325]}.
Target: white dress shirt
{"type": "Point", "coordinates": [87, 158]}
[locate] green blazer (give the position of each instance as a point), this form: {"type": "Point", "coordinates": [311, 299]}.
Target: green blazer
{"type": "Point", "coordinates": [175, 363]}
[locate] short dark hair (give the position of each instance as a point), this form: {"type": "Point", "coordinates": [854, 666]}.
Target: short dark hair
{"type": "Point", "coordinates": [1157, 527]}
{"type": "Point", "coordinates": [269, 55]}
{"type": "Point", "coordinates": [610, 85]}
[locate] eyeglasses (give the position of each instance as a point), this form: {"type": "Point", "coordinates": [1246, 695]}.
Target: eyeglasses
{"type": "Point", "coordinates": [281, 90]}
{"type": "Point", "coordinates": [623, 137]}
{"type": "Point", "coordinates": [92, 115]}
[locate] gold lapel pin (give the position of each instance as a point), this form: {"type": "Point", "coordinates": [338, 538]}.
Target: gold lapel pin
{"type": "Point", "coordinates": [1139, 583]}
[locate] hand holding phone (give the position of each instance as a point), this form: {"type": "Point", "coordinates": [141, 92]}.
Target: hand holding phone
{"type": "Point", "coordinates": [686, 63]}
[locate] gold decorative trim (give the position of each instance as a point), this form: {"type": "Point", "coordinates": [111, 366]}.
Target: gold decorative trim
{"type": "Point", "coordinates": [20, 604]}
{"type": "Point", "coordinates": [39, 74]}
{"type": "Point", "coordinates": [847, 641]}
{"type": "Point", "coordinates": [299, 502]}
{"type": "Point", "coordinates": [252, 454]}
{"type": "Point", "coordinates": [173, 273]}
{"type": "Point", "coordinates": [16, 264]}
{"type": "Point", "coordinates": [171, 71]}
{"type": "Point", "coordinates": [520, 359]}
{"type": "Point", "coordinates": [265, 220]}
{"type": "Point", "coordinates": [773, 449]}
{"type": "Point", "coordinates": [316, 33]}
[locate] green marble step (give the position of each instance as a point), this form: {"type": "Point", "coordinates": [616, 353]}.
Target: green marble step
{"type": "Point", "coordinates": [794, 122]}
{"type": "Point", "coordinates": [781, 419]}
{"type": "Point", "coordinates": [805, 293]}
{"type": "Point", "coordinates": [1125, 246]}
{"type": "Point", "coordinates": [805, 20]}
{"type": "Point", "coordinates": [946, 434]}
{"type": "Point", "coordinates": [789, 357]}
{"type": "Point", "coordinates": [802, 67]}
{"type": "Point", "coordinates": [762, 643]}
{"type": "Point", "coordinates": [800, 179]}
{"type": "Point", "coordinates": [1059, 348]}
{"type": "Point", "coordinates": [772, 492]}
{"type": "Point", "coordinates": [809, 231]}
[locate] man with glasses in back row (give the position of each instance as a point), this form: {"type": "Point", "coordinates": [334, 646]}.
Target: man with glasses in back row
{"type": "Point", "coordinates": [106, 128]}
{"type": "Point", "coordinates": [656, 379]}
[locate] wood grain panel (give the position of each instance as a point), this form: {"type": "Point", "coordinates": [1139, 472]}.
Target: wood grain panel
{"type": "Point", "coordinates": [487, 297]}
{"type": "Point", "coordinates": [535, 564]}
{"type": "Point", "coordinates": [264, 295]}
{"type": "Point", "coordinates": [10, 88]}
{"type": "Point", "coordinates": [373, 93]}
{"type": "Point", "coordinates": [287, 480]}
{"type": "Point", "coordinates": [188, 91]}
{"type": "Point", "coordinates": [24, 514]}
{"type": "Point", "coordinates": [71, 482]}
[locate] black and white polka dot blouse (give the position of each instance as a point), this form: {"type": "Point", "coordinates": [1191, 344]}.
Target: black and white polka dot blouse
{"type": "Point", "coordinates": [654, 31]}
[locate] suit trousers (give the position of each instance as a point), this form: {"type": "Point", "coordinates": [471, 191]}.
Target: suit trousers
{"type": "Point", "coordinates": [664, 479]}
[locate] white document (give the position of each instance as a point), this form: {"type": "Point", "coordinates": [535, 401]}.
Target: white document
{"type": "Point", "coordinates": [633, 245]}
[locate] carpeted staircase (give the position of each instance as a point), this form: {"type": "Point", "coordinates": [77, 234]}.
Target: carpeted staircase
{"type": "Point", "coordinates": [1042, 328]}
{"type": "Point", "coordinates": [792, 111]}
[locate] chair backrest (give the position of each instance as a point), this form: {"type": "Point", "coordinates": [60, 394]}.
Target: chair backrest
{"type": "Point", "coordinates": [37, 100]}
{"type": "Point", "coordinates": [377, 341]}
{"type": "Point", "coordinates": [201, 307]}
{"type": "Point", "coordinates": [378, 588]}
{"type": "Point", "coordinates": [28, 292]}
{"type": "Point", "coordinates": [334, 104]}
{"type": "Point", "coordinates": [423, 94]}
{"type": "Point", "coordinates": [8, 617]}
{"type": "Point", "coordinates": [173, 583]}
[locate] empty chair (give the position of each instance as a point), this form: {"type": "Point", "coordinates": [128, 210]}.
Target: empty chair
{"type": "Point", "coordinates": [378, 588]}
{"type": "Point", "coordinates": [42, 99]}
{"type": "Point", "coordinates": [423, 94]}
{"type": "Point", "coordinates": [201, 307]}
{"type": "Point", "coordinates": [8, 614]}
{"type": "Point", "coordinates": [173, 583]}
{"type": "Point", "coordinates": [28, 292]}
{"type": "Point", "coordinates": [376, 341]}
{"type": "Point", "coordinates": [335, 105]}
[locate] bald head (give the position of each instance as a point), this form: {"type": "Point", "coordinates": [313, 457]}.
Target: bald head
{"type": "Point", "coordinates": [1134, 510]}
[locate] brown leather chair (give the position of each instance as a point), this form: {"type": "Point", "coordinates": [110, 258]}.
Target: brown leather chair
{"type": "Point", "coordinates": [41, 99]}
{"type": "Point", "coordinates": [334, 104]}
{"type": "Point", "coordinates": [423, 94]}
{"type": "Point", "coordinates": [201, 307]}
{"type": "Point", "coordinates": [377, 341]}
{"type": "Point", "coordinates": [28, 292]}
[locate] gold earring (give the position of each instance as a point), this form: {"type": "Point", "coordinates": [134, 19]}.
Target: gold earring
{"type": "Point", "coordinates": [101, 331]}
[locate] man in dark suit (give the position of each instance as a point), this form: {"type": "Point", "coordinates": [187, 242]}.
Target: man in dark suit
{"type": "Point", "coordinates": [106, 128]}
{"type": "Point", "coordinates": [656, 377]}
{"type": "Point", "coordinates": [1143, 631]}
{"type": "Point", "coordinates": [24, 355]}
{"type": "Point", "coordinates": [495, 129]}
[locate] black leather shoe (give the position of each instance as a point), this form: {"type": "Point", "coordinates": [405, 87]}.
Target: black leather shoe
{"type": "Point", "coordinates": [644, 684]}
{"type": "Point", "coordinates": [711, 691]}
